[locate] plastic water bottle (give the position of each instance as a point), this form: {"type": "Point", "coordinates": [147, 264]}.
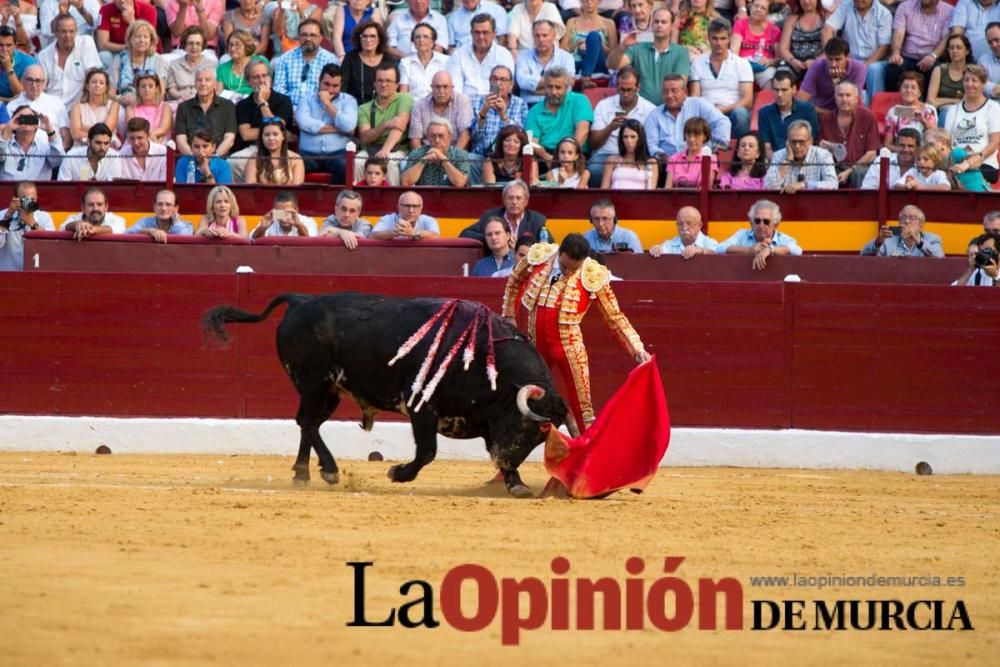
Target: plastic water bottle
{"type": "Point", "coordinates": [192, 176]}
{"type": "Point", "coordinates": [545, 236]}
{"type": "Point", "coordinates": [758, 55]}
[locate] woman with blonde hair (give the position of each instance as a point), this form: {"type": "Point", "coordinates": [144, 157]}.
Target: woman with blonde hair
{"type": "Point", "coordinates": [222, 219]}
{"type": "Point", "coordinates": [149, 104]}
{"type": "Point", "coordinates": [96, 105]}
{"type": "Point", "coordinates": [275, 164]}
{"type": "Point", "coordinates": [138, 56]}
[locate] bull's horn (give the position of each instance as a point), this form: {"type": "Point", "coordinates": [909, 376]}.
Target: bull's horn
{"type": "Point", "coordinates": [571, 425]}
{"type": "Point", "coordinates": [523, 394]}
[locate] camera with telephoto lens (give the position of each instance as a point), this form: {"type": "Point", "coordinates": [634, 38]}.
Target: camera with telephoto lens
{"type": "Point", "coordinates": [28, 204]}
{"type": "Point", "coordinates": [986, 256]}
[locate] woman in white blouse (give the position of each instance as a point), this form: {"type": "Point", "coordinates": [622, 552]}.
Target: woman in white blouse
{"type": "Point", "coordinates": [417, 69]}
{"type": "Point", "coordinates": [975, 124]}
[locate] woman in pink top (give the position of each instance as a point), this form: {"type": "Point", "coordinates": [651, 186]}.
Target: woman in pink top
{"type": "Point", "coordinates": [748, 167]}
{"type": "Point", "coordinates": [684, 168]}
{"type": "Point", "coordinates": [632, 168]}
{"type": "Point", "coordinates": [222, 217]}
{"type": "Point", "coordinates": [149, 104]}
{"type": "Point", "coordinates": [756, 39]}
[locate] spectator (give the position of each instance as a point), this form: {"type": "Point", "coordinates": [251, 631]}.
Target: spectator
{"type": "Point", "coordinates": [900, 161]}
{"type": "Point", "coordinates": [248, 15]}
{"type": "Point", "coordinates": [409, 222]}
{"type": "Point", "coordinates": [991, 222]}
{"type": "Point", "coordinates": [30, 146]}
{"type": "Point", "coordinates": [749, 166]}
{"type": "Point", "coordinates": [919, 34]}
{"type": "Point", "coordinates": [287, 21]}
{"type": "Point", "coordinates": [264, 103]}
{"type": "Point", "coordinates": [925, 175]}
{"type": "Point", "coordinates": [202, 166]}
{"type": "Point", "coordinates": [470, 65]}
{"type": "Point", "coordinates": [165, 221]}
{"type": "Point", "coordinates": [866, 26]}
{"type": "Point", "coordinates": [665, 126]}
{"type": "Point", "coordinates": [149, 104]}
{"type": "Point", "coordinates": [690, 240]}
{"type": "Point", "coordinates": [827, 73]}
{"type": "Point", "coordinates": [417, 69]}
{"type": "Point", "coordinates": [222, 219]}
{"type": "Point", "coordinates": [140, 57]}
{"type": "Point", "coordinates": [95, 218]}
{"type": "Point", "coordinates": [67, 60]}
{"type": "Point", "coordinates": [564, 113]}
{"type": "Point", "coordinates": [96, 161]}
{"type": "Point", "coordinates": [284, 219]}
{"type": "Point", "coordinates": [521, 249]}
{"type": "Point", "coordinates": [498, 243]}
{"type": "Point", "coordinates": [346, 223]}
{"type": "Point", "coordinates": [402, 24]}
{"type": "Point", "coordinates": [297, 72]}
{"type": "Point", "coordinates": [22, 18]}
{"type": "Point", "coordinates": [86, 14]}
{"type": "Point", "coordinates": [206, 14]}
{"type": "Point", "coordinates": [991, 59]}
{"type": "Point", "coordinates": [632, 168]}
{"type": "Point", "coordinates": [802, 37]}
{"type": "Point", "coordinates": [955, 163]}
{"type": "Point", "coordinates": [971, 18]}
{"type": "Point", "coordinates": [691, 27]}
{"type": "Point", "coordinates": [982, 269]}
{"type": "Point", "coordinates": [636, 25]}
{"type": "Point", "coordinates": [589, 37]}
{"type": "Point", "coordinates": [684, 167]}
{"type": "Point", "coordinates": [610, 115]}
{"type": "Point", "coordinates": [438, 163]}
{"type": "Point", "coordinates": [21, 215]}
{"type": "Point", "coordinates": [851, 136]}
{"type": "Point", "coordinates": [607, 235]}
{"type": "Point", "coordinates": [461, 19]}
{"type": "Point", "coordinates": [774, 119]}
{"type": "Point", "coordinates": [42, 103]}
{"type": "Point", "coordinates": [546, 55]}
{"type": "Point", "coordinates": [327, 121]}
{"type": "Point", "coordinates": [181, 71]}
{"type": "Point", "coordinates": [762, 240]}
{"type": "Point", "coordinates": [209, 111]}
{"type": "Point", "coordinates": [339, 21]}
{"type": "Point", "coordinates": [724, 79]}
{"type": "Point", "coordinates": [801, 166]}
{"type": "Point", "coordinates": [375, 172]}
{"type": "Point", "coordinates": [655, 60]}
{"type": "Point", "coordinates": [491, 113]}
{"type": "Point", "coordinates": [946, 87]}
{"type": "Point", "coordinates": [232, 74]}
{"type": "Point", "coordinates": [142, 159]}
{"type": "Point", "coordinates": [507, 164]}
{"type": "Point", "coordinates": [911, 112]}
{"type": "Point", "coordinates": [570, 170]}
{"type": "Point", "coordinates": [522, 220]}
{"type": "Point", "coordinates": [521, 24]}
{"type": "Point", "coordinates": [757, 39]}
{"type": "Point", "coordinates": [95, 106]}
{"type": "Point", "coordinates": [908, 240]}
{"type": "Point", "coordinates": [382, 123]}
{"type": "Point", "coordinates": [13, 61]}
{"type": "Point", "coordinates": [975, 125]}
{"type": "Point", "coordinates": [117, 17]}
{"type": "Point", "coordinates": [444, 102]}
{"type": "Point", "coordinates": [359, 65]}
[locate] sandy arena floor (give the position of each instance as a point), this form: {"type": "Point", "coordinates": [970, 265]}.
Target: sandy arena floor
{"type": "Point", "coordinates": [206, 559]}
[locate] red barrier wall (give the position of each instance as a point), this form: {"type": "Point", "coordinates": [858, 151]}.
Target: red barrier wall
{"type": "Point", "coordinates": [758, 355]}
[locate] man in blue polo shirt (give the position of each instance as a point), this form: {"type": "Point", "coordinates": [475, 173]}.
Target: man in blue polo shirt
{"type": "Point", "coordinates": [773, 119]}
{"type": "Point", "coordinates": [202, 166]}
{"type": "Point", "coordinates": [13, 62]}
{"type": "Point", "coordinates": [562, 114]}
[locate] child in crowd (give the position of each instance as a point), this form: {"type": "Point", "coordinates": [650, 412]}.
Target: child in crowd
{"type": "Point", "coordinates": [684, 167]}
{"type": "Point", "coordinates": [572, 171]}
{"type": "Point", "coordinates": [925, 174]}
{"type": "Point", "coordinates": [375, 171]}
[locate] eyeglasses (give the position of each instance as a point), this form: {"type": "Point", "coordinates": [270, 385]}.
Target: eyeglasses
{"type": "Point", "coordinates": [31, 79]}
{"type": "Point", "coordinates": [796, 142]}
{"type": "Point", "coordinates": [411, 206]}
{"type": "Point", "coordinates": [762, 221]}
{"type": "Point", "coordinates": [500, 79]}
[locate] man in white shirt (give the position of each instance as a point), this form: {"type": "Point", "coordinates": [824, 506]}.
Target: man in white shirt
{"type": "Point", "coordinates": [142, 159]}
{"type": "Point", "coordinates": [284, 219]}
{"type": "Point", "coordinates": [30, 146]}
{"type": "Point", "coordinates": [86, 13]}
{"type": "Point", "coordinates": [403, 23]}
{"type": "Point", "coordinates": [690, 240]}
{"type": "Point", "coordinates": [34, 80]}
{"type": "Point", "coordinates": [96, 161]}
{"type": "Point", "coordinates": [609, 114]}
{"type": "Point", "coordinates": [67, 60]}
{"type": "Point", "coordinates": [470, 66]}
{"type": "Point", "coordinates": [22, 216]}
{"type": "Point", "coordinates": [907, 143]}
{"type": "Point", "coordinates": [724, 79]}
{"type": "Point", "coordinates": [95, 218]}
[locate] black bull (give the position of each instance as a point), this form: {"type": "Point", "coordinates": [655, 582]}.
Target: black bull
{"type": "Point", "coordinates": [341, 344]}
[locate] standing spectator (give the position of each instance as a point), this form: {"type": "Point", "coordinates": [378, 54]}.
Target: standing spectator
{"type": "Point", "coordinates": [232, 74]}
{"type": "Point", "coordinates": [802, 37]}
{"type": "Point", "coordinates": [383, 122]}
{"type": "Point", "coordinates": [907, 143]}
{"type": "Point", "coordinates": [665, 126]}
{"type": "Point", "coordinates": [506, 164]}
{"type": "Point", "coordinates": [589, 37]}
{"type": "Point", "coordinates": [470, 65]}
{"type": "Point", "coordinates": [749, 165]}
{"type": "Point", "coordinates": [774, 119]}
{"type": "Point", "coordinates": [339, 21]}
{"type": "Point", "coordinates": [117, 17]}
{"type": "Point", "coordinates": [95, 106]}
{"type": "Point", "coordinates": [762, 240]}
{"type": "Point", "coordinates": [866, 26]}
{"type": "Point", "coordinates": [851, 135]}
{"type": "Point", "coordinates": [149, 104]}
{"type": "Point", "coordinates": [684, 167]}
{"type": "Point", "coordinates": [655, 60]}
{"type": "Point", "coordinates": [181, 71]}
{"type": "Point", "coordinates": [402, 24]}
{"type": "Point", "coordinates": [946, 88]}
{"type": "Point", "coordinates": [21, 215]}
{"type": "Point", "coordinates": [67, 60]}
{"type": "Point", "coordinates": [96, 161]}
{"type": "Point", "coordinates": [493, 112]}
{"type": "Point", "coordinates": [222, 219]}
{"type": "Point", "coordinates": [296, 73]}
{"type": "Point", "coordinates": [369, 40]}
{"type": "Point", "coordinates": [919, 34]}
{"type": "Point", "coordinates": [327, 121]}
{"type": "Point", "coordinates": [523, 221]}
{"type": "Point", "coordinates": [724, 79]}
{"type": "Point", "coordinates": [801, 166]}
{"type": "Point", "coordinates": [444, 102]}
{"type": "Point", "coordinates": [690, 240]}
{"type": "Point", "coordinates": [461, 18]}
{"type": "Point", "coordinates": [757, 39]}
{"type": "Point", "coordinates": [202, 166]}
{"type": "Point", "coordinates": [263, 103]}
{"type": "Point", "coordinates": [417, 69]}
{"type": "Point", "coordinates": [248, 16]}
{"type": "Point", "coordinates": [498, 244]}
{"type": "Point", "coordinates": [532, 65]}
{"type": "Point", "coordinates": [912, 240]}
{"type": "Point", "coordinates": [606, 234]}
{"type": "Point", "coordinates": [827, 73]}
{"type": "Point", "coordinates": [632, 168]}
{"type": "Point", "coordinates": [564, 113]}
{"type": "Point", "coordinates": [409, 223]}
{"type": "Point", "coordinates": [346, 223]}
{"type": "Point", "coordinates": [610, 115]}
{"type": "Point", "coordinates": [287, 22]}
{"type": "Point", "coordinates": [284, 219]}
{"type": "Point", "coordinates": [165, 221]}
{"type": "Point", "coordinates": [275, 164]}
{"type": "Point", "coordinates": [206, 14]}
{"type": "Point", "coordinates": [691, 27]}
{"type": "Point", "coordinates": [95, 218]}
{"type": "Point", "coordinates": [439, 162]}
{"type": "Point", "coordinates": [975, 125]}
{"type": "Point", "coordinates": [142, 159]}
{"type": "Point", "coordinates": [139, 57]}
{"type": "Point", "coordinates": [972, 18]}
{"type": "Point", "coordinates": [13, 61]}
{"type": "Point", "coordinates": [206, 110]}
{"type": "Point", "coordinates": [522, 20]}
{"type": "Point", "coordinates": [86, 14]}
{"type": "Point", "coordinates": [911, 112]}
{"type": "Point", "coordinates": [43, 104]}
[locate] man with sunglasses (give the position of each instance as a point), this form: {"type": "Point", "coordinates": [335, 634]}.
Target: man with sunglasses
{"type": "Point", "coordinates": [762, 240]}
{"type": "Point", "coordinates": [327, 121]}
{"type": "Point", "coordinates": [610, 115]}
{"type": "Point", "coordinates": [20, 217]}
{"type": "Point", "coordinates": [13, 61]}
{"type": "Point", "coordinates": [67, 60]}
{"type": "Point", "coordinates": [31, 147]}
{"type": "Point", "coordinates": [297, 72]}
{"type": "Point", "coordinates": [43, 104]}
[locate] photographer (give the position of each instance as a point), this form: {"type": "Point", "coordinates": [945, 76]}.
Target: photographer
{"type": "Point", "coordinates": [284, 219]}
{"type": "Point", "coordinates": [31, 146]}
{"type": "Point", "coordinates": [908, 239]}
{"type": "Point", "coordinates": [983, 262]}
{"type": "Point", "coordinates": [607, 236]}
{"type": "Point", "coordinates": [22, 215]}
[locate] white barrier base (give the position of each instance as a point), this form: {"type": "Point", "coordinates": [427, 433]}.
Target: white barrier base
{"type": "Point", "coordinates": [688, 446]}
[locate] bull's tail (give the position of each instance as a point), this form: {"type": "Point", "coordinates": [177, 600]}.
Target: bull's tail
{"type": "Point", "coordinates": [214, 321]}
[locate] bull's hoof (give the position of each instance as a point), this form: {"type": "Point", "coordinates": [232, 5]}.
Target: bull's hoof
{"type": "Point", "coordinates": [300, 482]}
{"type": "Point", "coordinates": [332, 477]}
{"type": "Point", "coordinates": [398, 473]}
{"type": "Point", "coordinates": [520, 491]}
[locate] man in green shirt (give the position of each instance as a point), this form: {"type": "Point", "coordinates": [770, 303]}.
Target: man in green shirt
{"type": "Point", "coordinates": [438, 162]}
{"type": "Point", "coordinates": [653, 60]}
{"type": "Point", "coordinates": [383, 123]}
{"type": "Point", "coordinates": [561, 114]}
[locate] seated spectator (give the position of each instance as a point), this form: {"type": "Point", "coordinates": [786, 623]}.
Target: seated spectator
{"type": "Point", "coordinates": [375, 172]}
{"type": "Point", "coordinates": [284, 219]}
{"type": "Point", "coordinates": [439, 162]}
{"type": "Point", "coordinates": [691, 27]}
{"type": "Point", "coordinates": [991, 222]}
{"type": "Point", "coordinates": [507, 163]}
{"type": "Point", "coordinates": [925, 174]}
{"type": "Point", "coordinates": [360, 64]}
{"type": "Point", "coordinates": [907, 144]}
{"type": "Point", "coordinates": [655, 60]}
{"type": "Point", "coordinates": [501, 108]}
{"type": "Point", "coordinates": [946, 87]}
{"type": "Point", "coordinates": [971, 19]}
{"type": "Point", "coordinates": [866, 26]}
{"type": "Point", "coordinates": [607, 235]}
{"type": "Point", "coordinates": [139, 58]}
{"type": "Point", "coordinates": [851, 136]}
{"type": "Point", "coordinates": [684, 167]}
{"type": "Point", "coordinates": [234, 84]}
{"type": "Point", "coordinates": [774, 119]}
{"type": "Point", "coordinates": [297, 72]}
{"type": "Point", "coordinates": [339, 21]}
{"type": "Point", "coordinates": [42, 103]}
{"type": "Point", "coordinates": [287, 21]}
{"type": "Point", "coordinates": [461, 18]}
{"type": "Point", "coordinates": [801, 166]}
{"type": "Point", "coordinates": [532, 65]}
{"type": "Point", "coordinates": [990, 60]}
{"type": "Point", "coordinates": [757, 39]}
{"type": "Point", "coordinates": [207, 14]}
{"type": "Point", "coordinates": [665, 126]}
{"type": "Point", "coordinates": [762, 240]}
{"type": "Point", "coordinates": [521, 249]}
{"type": "Point", "coordinates": [610, 115]}
{"type": "Point", "coordinates": [975, 125]}
{"type": "Point", "coordinates": [827, 73]}
{"type": "Point", "coordinates": [417, 69]}
{"type": "Point", "coordinates": [202, 166]}
{"type": "Point", "coordinates": [802, 37]}
{"type": "Point", "coordinates": [209, 111]}
{"type": "Point", "coordinates": [570, 169]}
{"type": "Point", "coordinates": [564, 113]}
{"type": "Point", "coordinates": [955, 163]}
{"type": "Point", "coordinates": [95, 106]}
{"type": "Point", "coordinates": [346, 223]}
{"type": "Point", "coordinates": [149, 104]}
{"type": "Point", "coordinates": [142, 159]}
{"type": "Point", "coordinates": [408, 223]}
{"type": "Point", "coordinates": [982, 270]}
{"type": "Point", "coordinates": [165, 221]}
{"type": "Point", "coordinates": [522, 19]}
{"type": "Point", "coordinates": [30, 147]}
{"type": "Point", "coordinates": [274, 163]}
{"type": "Point", "coordinates": [222, 217]}
{"type": "Point", "coordinates": [21, 215]}
{"type": "Point", "coordinates": [181, 71]}
{"type": "Point", "coordinates": [443, 102]}
{"type": "Point", "coordinates": [13, 61]}
{"type": "Point", "coordinates": [265, 102]}
{"type": "Point", "coordinates": [67, 60]}
{"type": "Point", "coordinates": [908, 240]}
{"type": "Point", "coordinates": [116, 18]}
{"type": "Point", "coordinates": [911, 112]}
{"type": "Point", "coordinates": [96, 161]}
{"type": "Point", "coordinates": [690, 240]}
{"type": "Point", "coordinates": [501, 255]}
{"type": "Point", "coordinates": [724, 79]}
{"type": "Point", "coordinates": [402, 24]}
{"type": "Point", "coordinates": [248, 15]}
{"type": "Point", "coordinates": [327, 121]}
{"type": "Point", "coordinates": [919, 30]}
{"type": "Point", "coordinates": [470, 65]}
{"type": "Point", "coordinates": [589, 38]}
{"type": "Point", "coordinates": [749, 166]}
{"type": "Point", "coordinates": [635, 25]}
{"type": "Point", "coordinates": [522, 220]}
{"type": "Point", "coordinates": [633, 168]}
{"type": "Point", "coordinates": [95, 218]}
{"type": "Point", "coordinates": [383, 123]}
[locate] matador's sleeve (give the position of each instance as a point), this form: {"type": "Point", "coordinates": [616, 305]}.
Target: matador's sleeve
{"type": "Point", "coordinates": [516, 278]}
{"type": "Point", "coordinates": [597, 280]}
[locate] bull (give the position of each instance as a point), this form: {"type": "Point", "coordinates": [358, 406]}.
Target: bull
{"type": "Point", "coordinates": [366, 347]}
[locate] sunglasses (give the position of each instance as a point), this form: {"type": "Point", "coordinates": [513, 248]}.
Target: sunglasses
{"type": "Point", "coordinates": [305, 71]}
{"type": "Point", "coordinates": [272, 120]}
{"type": "Point", "coordinates": [762, 221]}
{"type": "Point", "coordinates": [21, 163]}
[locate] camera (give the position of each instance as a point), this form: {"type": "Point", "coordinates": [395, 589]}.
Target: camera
{"type": "Point", "coordinates": [621, 247]}
{"type": "Point", "coordinates": [27, 119]}
{"type": "Point", "coordinates": [28, 204]}
{"type": "Point", "coordinates": [897, 230]}
{"type": "Point", "coordinates": [986, 256]}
